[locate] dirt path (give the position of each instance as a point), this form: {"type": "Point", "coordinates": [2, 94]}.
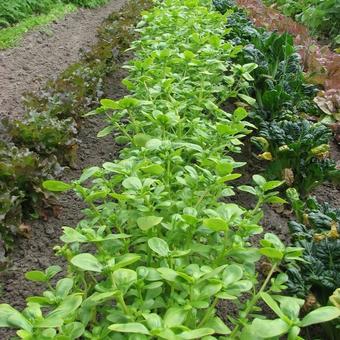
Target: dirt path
{"type": "Point", "coordinates": [36, 252]}
{"type": "Point", "coordinates": [46, 52]}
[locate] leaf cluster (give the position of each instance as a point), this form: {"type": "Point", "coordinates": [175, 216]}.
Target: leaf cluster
{"type": "Point", "coordinates": [318, 16]}
{"type": "Point", "coordinates": [299, 153]}
{"type": "Point", "coordinates": [317, 229]}
{"type": "Point", "coordinates": [159, 247]}
{"type": "Point", "coordinates": [14, 11]}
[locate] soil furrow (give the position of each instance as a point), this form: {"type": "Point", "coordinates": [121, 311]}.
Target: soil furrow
{"type": "Point", "coordinates": [46, 52]}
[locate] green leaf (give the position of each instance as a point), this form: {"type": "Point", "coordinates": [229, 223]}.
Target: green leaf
{"type": "Point", "coordinates": [224, 167]}
{"type": "Point", "coordinates": [10, 317]}
{"type": "Point", "coordinates": [272, 253]}
{"type": "Point", "coordinates": [56, 186]}
{"type": "Point", "coordinates": [159, 246]}
{"type": "Point", "coordinates": [52, 271]}
{"type": "Point", "coordinates": [106, 131]}
{"type": "Point", "coordinates": [232, 274]}
{"type": "Point", "coordinates": [153, 320]}
{"type": "Point", "coordinates": [249, 100]}
{"type": "Point", "coordinates": [87, 173]}
{"type": "Point", "coordinates": [67, 307]}
{"type": "Point", "coordinates": [239, 114]}
{"type": "Point", "coordinates": [322, 314]}
{"type": "Point", "coordinates": [49, 322]}
{"type": "Point", "coordinates": [216, 224]}
{"type": "Point", "coordinates": [109, 104]}
{"type": "Point", "coordinates": [36, 276]}
{"type": "Point", "coordinates": [269, 328]}
{"type": "Point", "coordinates": [197, 333]}
{"type": "Point", "coordinates": [210, 289]}
{"type": "Point", "coordinates": [174, 316]}
{"type": "Point", "coordinates": [272, 185]}
{"type": "Point", "coordinates": [74, 330]}
{"type": "Point", "coordinates": [71, 235]}
{"type": "Point", "coordinates": [259, 180]}
{"type": "Point", "coordinates": [148, 222]}
{"type": "Point", "coordinates": [132, 327]}
{"type": "Point", "coordinates": [276, 200]}
{"type": "Point", "coordinates": [248, 188]}
{"type": "Point", "coordinates": [124, 278]}
{"type": "Point", "coordinates": [167, 274]}
{"type": "Point", "coordinates": [217, 325]}
{"type": "Point", "coordinates": [141, 139]}
{"type": "Point", "coordinates": [88, 262]}
{"type": "Point", "coordinates": [153, 144]}
{"type": "Point", "coordinates": [125, 260]}
{"type": "Point", "coordinates": [272, 304]}
{"type": "Point", "coordinates": [228, 178]}
{"type": "Point", "coordinates": [64, 287]}
{"type": "Point", "coordinates": [154, 169]}
{"type": "Point", "coordinates": [133, 183]}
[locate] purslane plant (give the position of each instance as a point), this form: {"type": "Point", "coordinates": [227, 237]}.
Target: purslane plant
{"type": "Point", "coordinates": [159, 248]}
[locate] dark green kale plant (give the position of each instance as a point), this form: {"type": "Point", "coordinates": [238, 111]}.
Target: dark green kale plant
{"type": "Point", "coordinates": [298, 153]}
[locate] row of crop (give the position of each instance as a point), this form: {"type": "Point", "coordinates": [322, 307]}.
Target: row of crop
{"type": "Point", "coordinates": [44, 138]}
{"type": "Point", "coordinates": [320, 64]}
{"type": "Point", "coordinates": [14, 11]}
{"type": "Point", "coordinates": [318, 16]}
{"type": "Point", "coordinates": [160, 245]}
{"type": "Point", "coordinates": [296, 148]}
{"type": "Point", "coordinates": [297, 151]}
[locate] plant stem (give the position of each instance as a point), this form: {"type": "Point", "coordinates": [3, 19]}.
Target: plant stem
{"type": "Point", "coordinates": [255, 298]}
{"type": "Point", "coordinates": [208, 313]}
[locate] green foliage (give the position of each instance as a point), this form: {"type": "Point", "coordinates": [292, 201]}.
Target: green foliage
{"type": "Point", "coordinates": [289, 321]}
{"type": "Point", "coordinates": [11, 35]}
{"type": "Point", "coordinates": [318, 231]}
{"type": "Point", "coordinates": [223, 5]}
{"type": "Point", "coordinates": [14, 11]}
{"type": "Point", "coordinates": [87, 3]}
{"type": "Point", "coordinates": [278, 82]}
{"type": "Point", "coordinates": [279, 86]}
{"type": "Point", "coordinates": [319, 16]}
{"type": "Point", "coordinates": [159, 247]}
{"type": "Point", "coordinates": [299, 153]}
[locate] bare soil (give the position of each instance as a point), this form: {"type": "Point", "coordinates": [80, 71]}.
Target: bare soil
{"type": "Point", "coordinates": [46, 52]}
{"type": "Point", "coordinates": [36, 251]}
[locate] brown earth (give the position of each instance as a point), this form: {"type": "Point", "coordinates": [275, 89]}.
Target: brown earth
{"type": "Point", "coordinates": [46, 52]}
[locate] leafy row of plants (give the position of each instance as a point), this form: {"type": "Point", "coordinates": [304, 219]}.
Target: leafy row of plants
{"type": "Point", "coordinates": [13, 11]}
{"type": "Point", "coordinates": [44, 139]}
{"type": "Point", "coordinates": [320, 64]}
{"type": "Point", "coordinates": [160, 244]}
{"type": "Point", "coordinates": [317, 278]}
{"type": "Point", "coordinates": [297, 151]}
{"type": "Point", "coordinates": [318, 16]}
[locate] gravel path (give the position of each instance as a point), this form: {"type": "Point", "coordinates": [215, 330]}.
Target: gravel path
{"type": "Point", "coordinates": [46, 52]}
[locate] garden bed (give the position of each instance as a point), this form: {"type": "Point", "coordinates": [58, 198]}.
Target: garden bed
{"type": "Point", "coordinates": [169, 188]}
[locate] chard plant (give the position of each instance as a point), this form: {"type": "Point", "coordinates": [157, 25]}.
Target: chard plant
{"type": "Point", "coordinates": [160, 245]}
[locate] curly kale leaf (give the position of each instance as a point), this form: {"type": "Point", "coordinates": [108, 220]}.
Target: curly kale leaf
{"type": "Point", "coordinates": [223, 5]}
{"type": "Point", "coordinates": [302, 148]}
